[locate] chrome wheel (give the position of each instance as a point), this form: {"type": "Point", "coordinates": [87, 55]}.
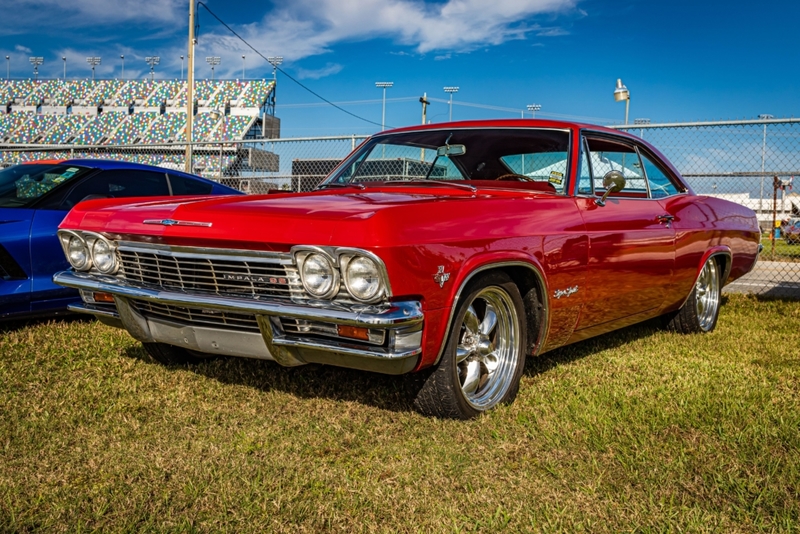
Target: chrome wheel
{"type": "Point", "coordinates": [488, 349]}
{"type": "Point", "coordinates": [707, 296]}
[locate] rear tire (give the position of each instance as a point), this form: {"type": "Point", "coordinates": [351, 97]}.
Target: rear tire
{"type": "Point", "coordinates": [171, 355]}
{"type": "Point", "coordinates": [484, 357]}
{"type": "Point", "coordinates": [701, 310]}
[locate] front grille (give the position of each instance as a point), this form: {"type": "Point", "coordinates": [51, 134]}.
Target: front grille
{"type": "Point", "coordinates": [211, 274]}
{"type": "Point", "coordinates": [197, 316]}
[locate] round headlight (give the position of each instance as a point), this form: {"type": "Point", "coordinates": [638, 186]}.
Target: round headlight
{"type": "Point", "coordinates": [103, 256]}
{"type": "Point", "coordinates": [77, 253]}
{"type": "Point", "coordinates": [362, 278]}
{"type": "Point", "coordinates": [318, 275]}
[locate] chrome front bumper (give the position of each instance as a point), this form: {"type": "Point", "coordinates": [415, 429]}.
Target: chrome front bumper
{"type": "Point", "coordinates": [401, 324]}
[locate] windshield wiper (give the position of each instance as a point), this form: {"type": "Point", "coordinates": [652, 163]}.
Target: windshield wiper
{"type": "Point", "coordinates": [339, 184]}
{"type": "Point", "coordinates": [433, 182]}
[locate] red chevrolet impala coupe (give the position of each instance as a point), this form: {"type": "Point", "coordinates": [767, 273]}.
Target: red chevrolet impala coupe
{"type": "Point", "coordinates": [456, 249]}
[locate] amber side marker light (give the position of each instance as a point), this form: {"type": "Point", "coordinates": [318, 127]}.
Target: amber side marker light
{"type": "Point", "coordinates": [353, 332]}
{"type": "Point", "coordinates": [103, 297]}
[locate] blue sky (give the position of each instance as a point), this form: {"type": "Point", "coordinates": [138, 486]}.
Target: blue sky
{"type": "Point", "coordinates": [682, 60]}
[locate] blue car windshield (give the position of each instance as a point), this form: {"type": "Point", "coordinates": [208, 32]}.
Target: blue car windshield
{"type": "Point", "coordinates": [22, 185]}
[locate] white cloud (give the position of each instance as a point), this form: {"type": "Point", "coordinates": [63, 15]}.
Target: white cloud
{"type": "Point", "coordinates": [315, 74]}
{"type": "Point", "coordinates": [304, 28]}
{"type": "Point", "coordinates": [23, 49]}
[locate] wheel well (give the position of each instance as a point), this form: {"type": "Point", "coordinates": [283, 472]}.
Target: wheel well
{"type": "Point", "coordinates": [533, 296]}
{"type": "Point", "coordinates": [723, 264]}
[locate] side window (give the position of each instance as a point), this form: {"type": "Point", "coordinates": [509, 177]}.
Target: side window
{"type": "Point", "coordinates": [660, 184]}
{"type": "Point", "coordinates": [605, 156]}
{"type": "Point", "coordinates": [186, 186]}
{"type": "Point", "coordinates": [119, 184]}
{"type": "Point", "coordinates": [550, 167]}
{"type": "Point", "coordinates": [584, 173]}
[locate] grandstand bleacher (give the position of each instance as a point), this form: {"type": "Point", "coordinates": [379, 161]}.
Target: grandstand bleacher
{"type": "Point", "coordinates": [108, 115]}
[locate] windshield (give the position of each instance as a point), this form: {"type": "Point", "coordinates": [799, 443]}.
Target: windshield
{"type": "Point", "coordinates": [513, 154]}
{"type": "Point", "coordinates": [21, 185]}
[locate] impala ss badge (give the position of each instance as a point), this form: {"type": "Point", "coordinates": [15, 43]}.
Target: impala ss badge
{"type": "Point", "coordinates": [565, 292]}
{"type": "Point", "coordinates": [173, 222]}
{"type": "Point", "coordinates": [441, 277]}
{"type": "Point", "coordinates": [254, 278]}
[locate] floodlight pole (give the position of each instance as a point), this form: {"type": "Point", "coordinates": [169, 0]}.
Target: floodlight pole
{"type": "Point", "coordinates": [451, 90]}
{"type": "Point", "coordinates": [533, 108]}
{"type": "Point", "coordinates": [383, 85]}
{"type": "Point", "coordinates": [94, 61]}
{"type": "Point", "coordinates": [152, 61]}
{"type": "Point", "coordinates": [189, 89]}
{"type": "Point", "coordinates": [36, 61]}
{"type": "Point", "coordinates": [275, 61]}
{"type": "Point", "coordinates": [213, 61]}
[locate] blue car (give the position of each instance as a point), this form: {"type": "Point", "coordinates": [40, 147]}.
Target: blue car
{"type": "Point", "coordinates": [35, 197]}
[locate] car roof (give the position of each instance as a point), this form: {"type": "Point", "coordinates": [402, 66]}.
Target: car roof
{"type": "Point", "coordinates": [508, 123]}
{"type": "Point", "coordinates": [111, 164]}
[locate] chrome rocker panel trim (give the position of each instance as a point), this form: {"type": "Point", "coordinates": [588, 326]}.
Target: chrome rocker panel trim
{"type": "Point", "coordinates": [286, 351]}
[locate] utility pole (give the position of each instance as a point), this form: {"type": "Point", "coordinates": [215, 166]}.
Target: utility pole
{"type": "Point", "coordinates": [190, 90]}
{"type": "Point", "coordinates": [425, 103]}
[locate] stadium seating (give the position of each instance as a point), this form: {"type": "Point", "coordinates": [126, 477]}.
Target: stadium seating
{"type": "Point", "coordinates": [132, 129]}
{"type": "Point", "coordinates": [133, 91]}
{"type": "Point", "coordinates": [10, 122]}
{"type": "Point", "coordinates": [234, 127]}
{"type": "Point", "coordinates": [226, 92]}
{"type": "Point", "coordinates": [203, 127]}
{"type": "Point", "coordinates": [165, 91]}
{"type": "Point", "coordinates": [165, 128]}
{"type": "Point", "coordinates": [256, 94]}
{"type": "Point", "coordinates": [32, 129]}
{"type": "Point", "coordinates": [65, 129]}
{"type": "Point", "coordinates": [104, 92]}
{"type": "Point", "coordinates": [100, 127]}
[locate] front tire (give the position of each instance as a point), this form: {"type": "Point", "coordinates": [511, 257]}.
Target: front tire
{"type": "Point", "coordinates": [485, 353]}
{"type": "Point", "coordinates": [701, 310]}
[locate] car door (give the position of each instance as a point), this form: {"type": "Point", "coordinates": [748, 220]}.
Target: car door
{"type": "Point", "coordinates": [15, 260]}
{"type": "Point", "coordinates": [631, 239]}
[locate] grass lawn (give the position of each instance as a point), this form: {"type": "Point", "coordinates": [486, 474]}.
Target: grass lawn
{"type": "Point", "coordinates": [783, 250]}
{"type": "Point", "coordinates": [640, 430]}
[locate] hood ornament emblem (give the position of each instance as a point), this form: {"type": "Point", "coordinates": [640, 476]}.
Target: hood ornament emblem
{"type": "Point", "coordinates": [173, 222]}
{"type": "Point", "coordinates": [441, 277]}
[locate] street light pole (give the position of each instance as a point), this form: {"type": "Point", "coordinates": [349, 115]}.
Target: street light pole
{"type": "Point", "coordinates": [152, 61]}
{"type": "Point", "coordinates": [213, 61]}
{"type": "Point", "coordinates": [533, 108]}
{"type": "Point", "coordinates": [242, 67]}
{"type": "Point", "coordinates": [122, 74]}
{"type": "Point", "coordinates": [181, 67]}
{"type": "Point", "coordinates": [451, 90]}
{"type": "Point", "coordinates": [764, 117]}
{"type": "Point", "coordinates": [8, 67]}
{"type": "Point", "coordinates": [93, 61]}
{"type": "Point", "coordinates": [64, 59]}
{"type": "Point", "coordinates": [621, 93]}
{"type": "Point", "coordinates": [36, 61]}
{"type": "Point", "coordinates": [383, 85]}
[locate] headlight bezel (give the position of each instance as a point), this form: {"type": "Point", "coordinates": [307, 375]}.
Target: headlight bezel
{"type": "Point", "coordinates": [302, 256]}
{"type": "Point", "coordinates": [89, 240]}
{"type": "Point", "coordinates": [346, 261]}
{"type": "Point", "coordinates": [340, 258]}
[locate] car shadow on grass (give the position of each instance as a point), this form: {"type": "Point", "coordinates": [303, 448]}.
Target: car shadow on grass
{"type": "Point", "coordinates": [10, 325]}
{"type": "Point", "coordinates": [387, 392]}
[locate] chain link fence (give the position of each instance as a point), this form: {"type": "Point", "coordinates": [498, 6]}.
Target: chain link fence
{"type": "Point", "coordinates": [751, 162]}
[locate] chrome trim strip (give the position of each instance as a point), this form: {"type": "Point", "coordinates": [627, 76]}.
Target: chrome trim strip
{"type": "Point", "coordinates": [336, 347]}
{"type": "Point", "coordinates": [399, 314]}
{"type": "Point", "coordinates": [545, 303]}
{"type": "Point", "coordinates": [85, 308]}
{"type": "Point", "coordinates": [173, 222]}
{"type": "Point", "coordinates": [283, 258]}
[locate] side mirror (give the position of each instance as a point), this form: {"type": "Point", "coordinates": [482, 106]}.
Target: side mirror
{"type": "Point", "coordinates": [614, 182]}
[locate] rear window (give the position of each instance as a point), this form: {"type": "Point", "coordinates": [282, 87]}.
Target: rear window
{"type": "Point", "coordinates": [187, 186]}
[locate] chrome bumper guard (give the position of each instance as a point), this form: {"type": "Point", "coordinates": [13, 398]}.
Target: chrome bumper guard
{"type": "Point", "coordinates": [401, 323]}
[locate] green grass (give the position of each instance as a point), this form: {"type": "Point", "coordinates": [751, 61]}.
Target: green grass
{"type": "Point", "coordinates": [783, 250]}
{"type": "Point", "coordinates": [637, 431]}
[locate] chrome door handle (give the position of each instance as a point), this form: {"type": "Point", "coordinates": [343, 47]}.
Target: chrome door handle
{"type": "Point", "coordinates": [666, 220]}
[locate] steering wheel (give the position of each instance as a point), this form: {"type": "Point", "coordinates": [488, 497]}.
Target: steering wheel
{"type": "Point", "coordinates": [513, 177]}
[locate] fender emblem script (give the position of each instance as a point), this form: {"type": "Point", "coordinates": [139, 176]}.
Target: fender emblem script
{"type": "Point", "coordinates": [173, 222]}
{"type": "Point", "coordinates": [565, 292]}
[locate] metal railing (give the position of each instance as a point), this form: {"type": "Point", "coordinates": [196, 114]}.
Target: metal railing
{"type": "Point", "coordinates": [751, 162]}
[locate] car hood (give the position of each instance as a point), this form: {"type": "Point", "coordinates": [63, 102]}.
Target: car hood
{"type": "Point", "coordinates": [381, 216]}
